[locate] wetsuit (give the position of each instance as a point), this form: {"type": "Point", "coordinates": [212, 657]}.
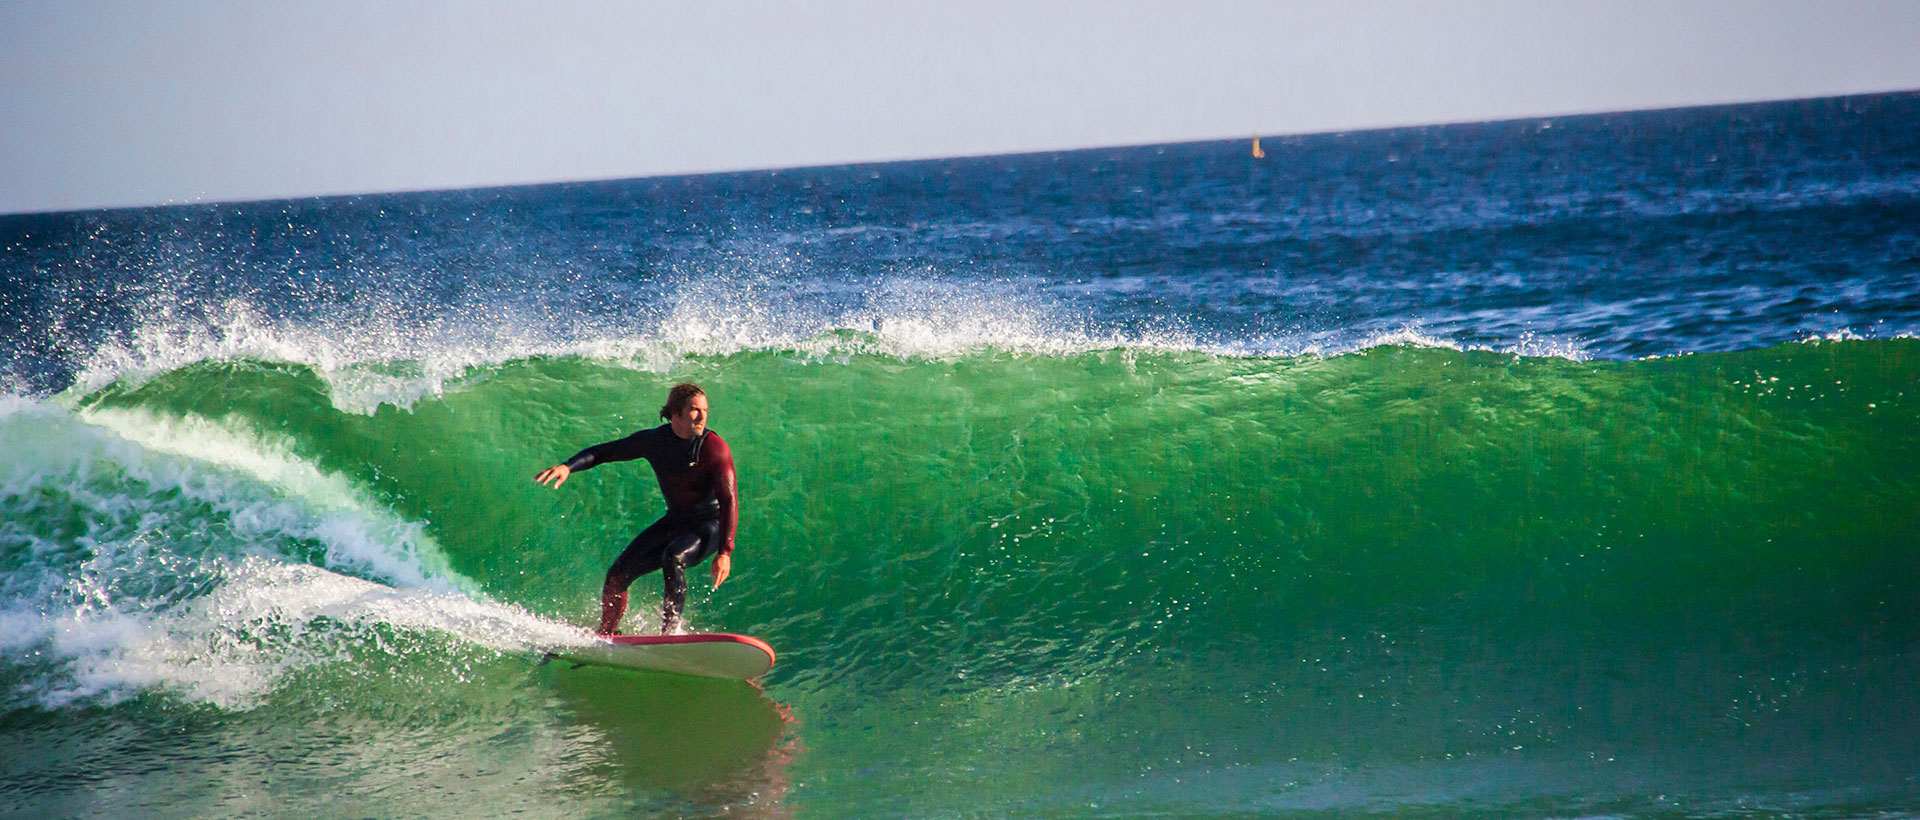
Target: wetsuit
{"type": "Point", "coordinates": [696, 477]}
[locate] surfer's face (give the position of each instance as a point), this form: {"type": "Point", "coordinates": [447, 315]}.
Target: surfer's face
{"type": "Point", "coordinates": [692, 419]}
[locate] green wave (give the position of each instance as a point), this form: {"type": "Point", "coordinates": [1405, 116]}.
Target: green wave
{"type": "Point", "coordinates": [1402, 553]}
{"type": "Point", "coordinates": [1173, 495]}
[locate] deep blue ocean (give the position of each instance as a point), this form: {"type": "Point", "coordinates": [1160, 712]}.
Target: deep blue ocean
{"type": "Point", "coordinates": [1545, 468]}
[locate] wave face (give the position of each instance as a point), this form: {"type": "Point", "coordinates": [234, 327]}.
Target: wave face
{"type": "Point", "coordinates": [1113, 569]}
{"type": "Point", "coordinates": [1519, 469]}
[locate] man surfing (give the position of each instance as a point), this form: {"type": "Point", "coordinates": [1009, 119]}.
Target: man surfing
{"type": "Point", "coordinates": [695, 470]}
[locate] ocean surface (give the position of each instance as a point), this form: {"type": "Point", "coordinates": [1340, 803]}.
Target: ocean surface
{"type": "Point", "coordinates": [1549, 468]}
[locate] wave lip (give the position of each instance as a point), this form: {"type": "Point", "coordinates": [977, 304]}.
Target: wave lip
{"type": "Point", "coordinates": [374, 360]}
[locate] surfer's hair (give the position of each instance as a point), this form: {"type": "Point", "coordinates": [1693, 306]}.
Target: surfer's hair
{"type": "Point", "coordinates": [678, 397]}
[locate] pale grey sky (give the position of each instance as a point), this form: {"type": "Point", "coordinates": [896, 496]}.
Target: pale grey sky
{"type": "Point", "coordinates": [106, 103]}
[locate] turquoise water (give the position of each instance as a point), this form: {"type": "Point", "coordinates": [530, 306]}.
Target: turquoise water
{"type": "Point", "coordinates": [1118, 582]}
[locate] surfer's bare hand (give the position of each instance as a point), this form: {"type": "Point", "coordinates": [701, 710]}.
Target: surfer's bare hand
{"type": "Point", "coordinates": [722, 566]}
{"type": "Point", "coordinates": [557, 474]}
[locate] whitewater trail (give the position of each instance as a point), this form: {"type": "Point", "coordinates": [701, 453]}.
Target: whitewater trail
{"type": "Point", "coordinates": [178, 560]}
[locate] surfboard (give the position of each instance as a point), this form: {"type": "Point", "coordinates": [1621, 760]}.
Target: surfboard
{"type": "Point", "coordinates": [713, 655]}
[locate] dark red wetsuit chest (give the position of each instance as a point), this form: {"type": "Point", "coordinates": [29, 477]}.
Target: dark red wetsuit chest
{"type": "Point", "coordinates": [686, 472]}
{"type": "Point", "coordinates": [689, 470]}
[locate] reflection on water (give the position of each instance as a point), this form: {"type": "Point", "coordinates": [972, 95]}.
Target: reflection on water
{"type": "Point", "coordinates": [710, 743]}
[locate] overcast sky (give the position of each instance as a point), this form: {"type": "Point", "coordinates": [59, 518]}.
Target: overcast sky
{"type": "Point", "coordinates": [129, 103]}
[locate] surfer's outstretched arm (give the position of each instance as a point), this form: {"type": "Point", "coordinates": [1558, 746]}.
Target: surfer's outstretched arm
{"type": "Point", "coordinates": [626, 449]}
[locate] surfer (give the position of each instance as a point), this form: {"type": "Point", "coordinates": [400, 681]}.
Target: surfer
{"type": "Point", "coordinates": [695, 470]}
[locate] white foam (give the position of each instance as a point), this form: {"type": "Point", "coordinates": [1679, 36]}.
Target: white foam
{"type": "Point", "coordinates": [1544, 347]}
{"type": "Point", "coordinates": [1845, 334]}
{"type": "Point", "coordinates": [392, 356]}
{"type": "Point", "coordinates": [233, 645]}
{"type": "Point", "coordinates": [131, 589]}
{"type": "Point", "coordinates": [288, 496]}
{"type": "Point", "coordinates": [368, 360]}
{"type": "Point", "coordinates": [1528, 345]}
{"type": "Point", "coordinates": [377, 358]}
{"type": "Point", "coordinates": [1406, 337]}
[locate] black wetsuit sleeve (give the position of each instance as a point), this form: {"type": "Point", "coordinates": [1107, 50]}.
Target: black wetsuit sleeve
{"type": "Point", "coordinates": [626, 449]}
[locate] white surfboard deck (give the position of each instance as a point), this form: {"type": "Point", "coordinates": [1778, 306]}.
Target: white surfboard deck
{"type": "Point", "coordinates": [713, 655]}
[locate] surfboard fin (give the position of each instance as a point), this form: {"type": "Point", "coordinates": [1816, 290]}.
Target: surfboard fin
{"type": "Point", "coordinates": [551, 657]}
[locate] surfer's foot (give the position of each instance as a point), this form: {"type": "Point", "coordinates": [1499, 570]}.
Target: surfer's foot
{"type": "Point", "coordinates": [673, 626]}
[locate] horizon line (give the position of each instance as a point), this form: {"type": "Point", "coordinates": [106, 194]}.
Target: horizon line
{"type": "Point", "coordinates": [774, 169]}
